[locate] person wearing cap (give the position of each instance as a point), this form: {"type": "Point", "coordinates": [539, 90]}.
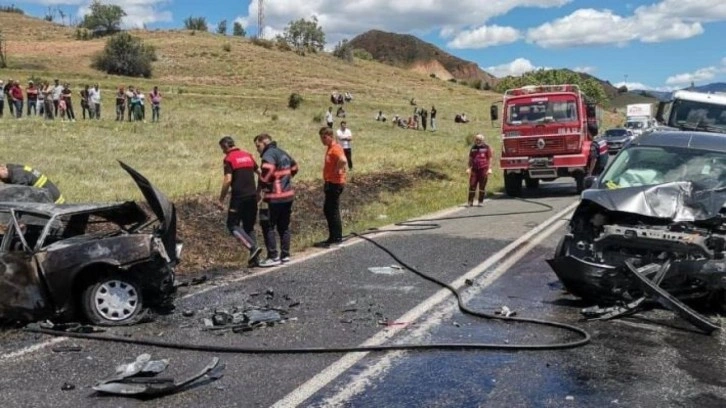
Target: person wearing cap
{"type": "Point", "coordinates": [2, 98]}
{"type": "Point", "coordinates": [239, 177]}
{"type": "Point", "coordinates": [480, 157]}
{"type": "Point", "coordinates": [31, 95]}
{"type": "Point", "coordinates": [27, 176]}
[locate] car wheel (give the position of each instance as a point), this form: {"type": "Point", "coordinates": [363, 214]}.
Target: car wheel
{"type": "Point", "coordinates": [112, 301]}
{"type": "Point", "coordinates": [513, 184]}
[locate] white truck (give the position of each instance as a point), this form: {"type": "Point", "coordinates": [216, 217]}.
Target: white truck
{"type": "Point", "coordinates": [688, 110]}
{"type": "Point", "coordinates": [639, 117]}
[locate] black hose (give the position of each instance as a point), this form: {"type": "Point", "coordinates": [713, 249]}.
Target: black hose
{"type": "Point", "coordinates": [414, 225]}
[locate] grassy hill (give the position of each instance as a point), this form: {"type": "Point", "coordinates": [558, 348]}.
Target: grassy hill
{"type": "Point", "coordinates": [408, 51]}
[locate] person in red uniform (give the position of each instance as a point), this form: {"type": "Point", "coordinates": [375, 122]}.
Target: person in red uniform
{"type": "Point", "coordinates": [480, 157]}
{"type": "Point", "coordinates": [239, 176]}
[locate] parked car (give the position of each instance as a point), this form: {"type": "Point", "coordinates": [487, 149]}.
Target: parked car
{"type": "Point", "coordinates": [101, 262]}
{"type": "Point", "coordinates": [659, 205]}
{"type": "Point", "coordinates": [617, 138]}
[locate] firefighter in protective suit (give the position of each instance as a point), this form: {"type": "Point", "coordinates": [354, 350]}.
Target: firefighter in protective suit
{"type": "Point", "coordinates": [480, 157]}
{"type": "Point", "coordinates": [26, 176]}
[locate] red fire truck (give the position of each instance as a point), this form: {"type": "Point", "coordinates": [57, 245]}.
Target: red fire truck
{"type": "Point", "coordinates": [546, 133]}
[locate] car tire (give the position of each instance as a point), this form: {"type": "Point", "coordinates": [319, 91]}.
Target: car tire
{"type": "Point", "coordinates": [513, 184]}
{"type": "Point", "coordinates": [114, 300]}
{"type": "Point", "coordinates": [531, 183]}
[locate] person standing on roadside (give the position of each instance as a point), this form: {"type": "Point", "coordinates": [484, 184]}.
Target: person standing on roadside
{"type": "Point", "coordinates": [480, 157]}
{"type": "Point", "coordinates": [278, 169]}
{"type": "Point", "coordinates": [155, 97]}
{"type": "Point", "coordinates": [334, 178]}
{"type": "Point", "coordinates": [2, 98]}
{"type": "Point", "coordinates": [329, 117]}
{"type": "Point", "coordinates": [345, 137]}
{"type": "Point", "coordinates": [94, 102]}
{"type": "Point", "coordinates": [31, 94]}
{"type": "Point", "coordinates": [120, 103]}
{"type": "Point", "coordinates": [48, 100]}
{"type": "Point", "coordinates": [67, 96]}
{"type": "Point", "coordinates": [433, 118]}
{"type": "Point", "coordinates": [16, 93]}
{"type": "Point", "coordinates": [57, 91]}
{"type": "Point", "coordinates": [239, 176]}
{"type": "Point", "coordinates": [85, 96]}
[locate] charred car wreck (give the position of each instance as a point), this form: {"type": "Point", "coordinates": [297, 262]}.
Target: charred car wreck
{"type": "Point", "coordinates": [652, 226]}
{"type": "Point", "coordinates": [102, 262]}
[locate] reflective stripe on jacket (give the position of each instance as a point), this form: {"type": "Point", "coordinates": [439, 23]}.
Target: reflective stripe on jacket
{"type": "Point", "coordinates": [278, 169]}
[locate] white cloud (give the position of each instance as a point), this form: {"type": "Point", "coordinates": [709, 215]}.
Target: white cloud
{"type": "Point", "coordinates": [662, 21]}
{"type": "Point", "coordinates": [485, 36]}
{"type": "Point", "coordinates": [585, 69]}
{"type": "Point", "coordinates": [138, 12]}
{"type": "Point", "coordinates": [345, 19]}
{"type": "Point", "coordinates": [515, 68]}
{"type": "Point", "coordinates": [639, 86]}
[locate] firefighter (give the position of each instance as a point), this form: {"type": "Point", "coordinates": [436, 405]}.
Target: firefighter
{"type": "Point", "coordinates": [480, 157]}
{"type": "Point", "coordinates": [27, 176]}
{"type": "Point", "coordinates": [598, 156]}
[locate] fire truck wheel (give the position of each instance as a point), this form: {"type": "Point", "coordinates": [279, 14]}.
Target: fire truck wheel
{"type": "Point", "coordinates": [531, 183]}
{"type": "Point", "coordinates": [513, 184]}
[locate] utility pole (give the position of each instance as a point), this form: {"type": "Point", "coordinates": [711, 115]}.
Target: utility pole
{"type": "Point", "coordinates": [260, 17]}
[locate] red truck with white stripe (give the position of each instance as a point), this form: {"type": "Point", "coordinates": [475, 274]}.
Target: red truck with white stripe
{"type": "Point", "coordinates": [547, 131]}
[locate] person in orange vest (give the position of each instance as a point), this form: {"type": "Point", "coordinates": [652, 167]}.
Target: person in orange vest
{"type": "Point", "coordinates": [275, 184]}
{"type": "Point", "coordinates": [334, 176]}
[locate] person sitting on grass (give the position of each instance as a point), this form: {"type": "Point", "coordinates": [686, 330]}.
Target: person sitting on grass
{"type": "Point", "coordinates": [340, 113]}
{"type": "Point", "coordinates": [381, 117]}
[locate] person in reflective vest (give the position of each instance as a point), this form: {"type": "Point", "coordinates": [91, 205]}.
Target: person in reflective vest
{"type": "Point", "coordinates": [278, 169]}
{"type": "Point", "coordinates": [27, 176]}
{"type": "Point", "coordinates": [480, 157]}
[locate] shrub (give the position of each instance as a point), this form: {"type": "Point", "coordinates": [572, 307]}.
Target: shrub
{"type": "Point", "coordinates": [463, 83]}
{"type": "Point", "coordinates": [238, 30]}
{"type": "Point", "coordinates": [82, 34]}
{"type": "Point", "coordinates": [343, 51]}
{"type": "Point", "coordinates": [318, 118]}
{"type": "Point", "coordinates": [227, 47]}
{"type": "Point", "coordinates": [11, 9]}
{"type": "Point", "coordinates": [196, 23]}
{"type": "Point", "coordinates": [263, 43]}
{"type": "Point", "coordinates": [362, 54]}
{"type": "Point", "coordinates": [294, 101]}
{"type": "Point", "coordinates": [432, 75]}
{"type": "Point", "coordinates": [274, 117]}
{"type": "Point", "coordinates": [476, 84]}
{"type": "Point", "coordinates": [282, 44]}
{"type": "Point", "coordinates": [222, 27]}
{"type": "Point", "coordinates": [452, 80]}
{"type": "Point", "coordinates": [127, 55]}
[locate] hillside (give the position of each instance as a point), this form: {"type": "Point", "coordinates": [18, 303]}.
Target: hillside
{"type": "Point", "coordinates": [410, 52]}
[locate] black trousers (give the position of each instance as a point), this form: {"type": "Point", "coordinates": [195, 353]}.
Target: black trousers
{"type": "Point", "coordinates": [276, 219]}
{"type": "Point", "coordinates": [2, 107]}
{"type": "Point", "coordinates": [331, 209]}
{"type": "Point", "coordinates": [243, 210]}
{"type": "Point", "coordinates": [349, 156]}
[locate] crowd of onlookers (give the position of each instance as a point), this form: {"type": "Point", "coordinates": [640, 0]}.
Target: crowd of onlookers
{"type": "Point", "coordinates": [56, 101]}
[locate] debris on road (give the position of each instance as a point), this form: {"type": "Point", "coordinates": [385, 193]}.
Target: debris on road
{"type": "Point", "coordinates": [505, 312]}
{"type": "Point", "coordinates": [138, 379]}
{"type": "Point", "coordinates": [386, 270]}
{"type": "Point", "coordinates": [67, 349]}
{"type": "Point", "coordinates": [193, 282]}
{"type": "Point", "coordinates": [65, 327]}
{"type": "Point", "coordinates": [243, 319]}
{"type": "Point", "coordinates": [67, 387]}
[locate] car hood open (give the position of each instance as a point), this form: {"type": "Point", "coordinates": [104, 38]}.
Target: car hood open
{"type": "Point", "coordinates": [161, 206]}
{"type": "Point", "coordinates": [680, 201]}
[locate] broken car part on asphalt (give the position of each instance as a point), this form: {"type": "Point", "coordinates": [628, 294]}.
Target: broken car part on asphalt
{"type": "Point", "coordinates": [112, 260]}
{"type": "Point", "coordinates": [138, 379]}
{"type": "Point", "coordinates": [658, 209]}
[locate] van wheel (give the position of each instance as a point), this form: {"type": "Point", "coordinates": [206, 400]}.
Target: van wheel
{"type": "Point", "coordinates": [513, 184]}
{"type": "Point", "coordinates": [113, 300]}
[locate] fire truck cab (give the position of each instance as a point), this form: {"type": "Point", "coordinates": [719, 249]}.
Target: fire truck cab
{"type": "Point", "coordinates": [547, 131]}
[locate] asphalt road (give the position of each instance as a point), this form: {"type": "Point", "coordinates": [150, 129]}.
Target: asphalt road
{"type": "Point", "coordinates": [648, 360]}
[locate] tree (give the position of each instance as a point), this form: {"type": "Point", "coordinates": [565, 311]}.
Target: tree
{"type": "Point", "coordinates": [196, 23]}
{"type": "Point", "coordinates": [127, 55]}
{"type": "Point", "coordinates": [3, 52]}
{"type": "Point", "coordinates": [103, 19]}
{"type": "Point", "coordinates": [238, 30]}
{"type": "Point", "coordinates": [343, 50]}
{"type": "Point", "coordinates": [592, 88]}
{"type": "Point", "coordinates": [304, 36]}
{"type": "Point", "coordinates": [222, 27]}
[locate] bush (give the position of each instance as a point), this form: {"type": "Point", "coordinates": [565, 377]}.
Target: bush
{"type": "Point", "coordinates": [432, 75]}
{"type": "Point", "coordinates": [362, 54]}
{"type": "Point", "coordinates": [274, 117]}
{"type": "Point", "coordinates": [294, 101]}
{"type": "Point", "coordinates": [238, 30]}
{"type": "Point", "coordinates": [343, 51]}
{"type": "Point", "coordinates": [227, 47]}
{"type": "Point", "coordinates": [195, 23]}
{"type": "Point", "coordinates": [263, 43]}
{"type": "Point", "coordinates": [82, 34]}
{"type": "Point", "coordinates": [11, 9]}
{"type": "Point", "coordinates": [318, 118]}
{"type": "Point", "coordinates": [127, 55]}
{"type": "Point", "coordinates": [452, 80]}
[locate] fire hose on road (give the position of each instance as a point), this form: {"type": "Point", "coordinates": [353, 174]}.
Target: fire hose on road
{"type": "Point", "coordinates": [408, 226]}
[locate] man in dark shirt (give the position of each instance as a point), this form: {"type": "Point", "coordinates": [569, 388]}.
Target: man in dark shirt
{"type": "Point", "coordinates": [27, 176]}
{"type": "Point", "coordinates": [239, 176]}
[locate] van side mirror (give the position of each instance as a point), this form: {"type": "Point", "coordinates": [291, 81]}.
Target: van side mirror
{"type": "Point", "coordinates": [494, 112]}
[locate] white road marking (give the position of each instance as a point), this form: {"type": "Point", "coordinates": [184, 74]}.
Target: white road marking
{"type": "Point", "coordinates": [40, 346]}
{"type": "Point", "coordinates": [315, 384]}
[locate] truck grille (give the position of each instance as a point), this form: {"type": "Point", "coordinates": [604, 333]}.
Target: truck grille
{"type": "Point", "coordinates": [554, 144]}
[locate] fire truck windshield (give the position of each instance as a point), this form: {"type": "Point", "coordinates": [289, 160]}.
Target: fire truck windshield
{"type": "Point", "coordinates": [527, 111]}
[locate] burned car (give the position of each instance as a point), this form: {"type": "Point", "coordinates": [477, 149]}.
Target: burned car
{"type": "Point", "coordinates": [657, 212]}
{"type": "Point", "coordinates": [102, 262]}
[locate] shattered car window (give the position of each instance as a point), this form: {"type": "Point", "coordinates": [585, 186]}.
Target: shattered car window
{"type": "Point", "coordinates": [643, 166]}
{"type": "Point", "coordinates": [699, 115]}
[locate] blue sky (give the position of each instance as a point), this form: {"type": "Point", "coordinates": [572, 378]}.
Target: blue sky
{"type": "Point", "coordinates": [654, 44]}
